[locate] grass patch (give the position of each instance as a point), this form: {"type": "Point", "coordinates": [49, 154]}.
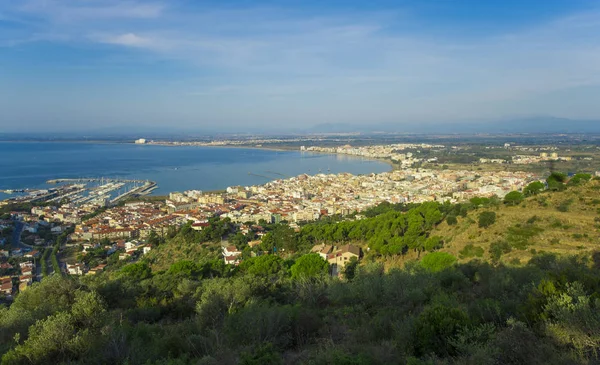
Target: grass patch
{"type": "Point", "coordinates": [519, 236]}
{"type": "Point", "coordinates": [471, 250]}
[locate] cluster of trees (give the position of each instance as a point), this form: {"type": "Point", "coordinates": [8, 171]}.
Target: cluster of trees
{"type": "Point", "coordinates": [390, 233]}
{"type": "Point", "coordinates": [273, 311]}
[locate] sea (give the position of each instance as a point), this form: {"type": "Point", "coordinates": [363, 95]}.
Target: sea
{"type": "Point", "coordinates": [174, 168]}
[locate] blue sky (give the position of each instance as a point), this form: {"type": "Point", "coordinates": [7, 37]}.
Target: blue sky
{"type": "Point", "coordinates": [242, 65]}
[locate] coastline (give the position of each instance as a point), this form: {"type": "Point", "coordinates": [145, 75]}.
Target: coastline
{"type": "Point", "coordinates": [167, 185]}
{"type": "Point", "coordinates": [388, 162]}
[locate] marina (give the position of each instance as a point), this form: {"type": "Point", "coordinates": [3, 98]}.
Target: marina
{"type": "Point", "coordinates": [79, 191]}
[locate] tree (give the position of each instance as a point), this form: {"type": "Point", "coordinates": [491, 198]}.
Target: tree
{"type": "Point", "coordinates": [556, 181]}
{"type": "Point", "coordinates": [262, 265]}
{"type": "Point", "coordinates": [239, 240]}
{"type": "Point", "coordinates": [513, 198]}
{"type": "Point", "coordinates": [185, 268]}
{"type": "Point", "coordinates": [579, 178]}
{"type": "Point", "coordinates": [533, 188]}
{"type": "Point", "coordinates": [138, 271]}
{"type": "Point", "coordinates": [310, 265]}
{"type": "Point", "coordinates": [282, 236]}
{"type": "Point", "coordinates": [350, 268]}
{"type": "Point", "coordinates": [486, 219]}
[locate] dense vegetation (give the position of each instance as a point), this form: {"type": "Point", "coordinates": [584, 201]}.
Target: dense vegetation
{"type": "Point", "coordinates": [456, 304]}
{"type": "Point", "coordinates": [266, 313]}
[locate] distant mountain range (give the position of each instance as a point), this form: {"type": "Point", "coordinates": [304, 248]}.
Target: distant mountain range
{"type": "Point", "coordinates": [525, 125]}
{"type": "Point", "coordinates": [530, 125]}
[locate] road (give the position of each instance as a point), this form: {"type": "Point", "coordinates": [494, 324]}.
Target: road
{"type": "Point", "coordinates": [16, 238]}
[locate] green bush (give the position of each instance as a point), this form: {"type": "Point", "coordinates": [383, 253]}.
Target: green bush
{"type": "Point", "coordinates": [437, 261]}
{"type": "Point", "coordinates": [486, 219]}
{"type": "Point", "coordinates": [564, 206]}
{"type": "Point", "coordinates": [471, 251]}
{"type": "Point", "coordinates": [451, 220]}
{"type": "Point", "coordinates": [497, 249]}
{"type": "Point", "coordinates": [435, 326]}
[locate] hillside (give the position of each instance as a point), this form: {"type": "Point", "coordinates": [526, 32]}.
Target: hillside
{"type": "Point", "coordinates": [181, 305]}
{"type": "Point", "coordinates": [563, 222]}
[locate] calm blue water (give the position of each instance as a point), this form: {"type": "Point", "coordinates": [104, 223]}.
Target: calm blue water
{"type": "Point", "coordinates": [31, 164]}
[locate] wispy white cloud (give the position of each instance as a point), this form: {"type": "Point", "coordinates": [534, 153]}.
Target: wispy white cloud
{"type": "Point", "coordinates": [358, 64]}
{"type": "Point", "coordinates": [126, 39]}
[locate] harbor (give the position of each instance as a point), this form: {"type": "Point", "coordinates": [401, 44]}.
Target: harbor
{"type": "Point", "coordinates": [80, 191]}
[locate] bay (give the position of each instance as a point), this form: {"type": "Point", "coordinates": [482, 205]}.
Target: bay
{"type": "Point", "coordinates": [31, 164]}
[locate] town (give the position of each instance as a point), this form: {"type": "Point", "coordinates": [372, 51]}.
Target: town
{"type": "Point", "coordinates": [79, 228]}
{"type": "Point", "coordinates": [88, 235]}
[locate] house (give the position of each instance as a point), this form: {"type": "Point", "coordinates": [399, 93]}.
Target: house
{"type": "Point", "coordinates": [32, 254]}
{"type": "Point", "coordinates": [232, 260]}
{"type": "Point", "coordinates": [26, 279]}
{"type": "Point", "coordinates": [6, 285]}
{"type": "Point", "coordinates": [26, 267]}
{"type": "Point", "coordinates": [323, 250]}
{"type": "Point", "coordinates": [146, 249]}
{"type": "Point", "coordinates": [231, 255]}
{"type": "Point", "coordinates": [198, 226]}
{"type": "Point", "coordinates": [130, 245]}
{"type": "Point", "coordinates": [342, 256]}
{"type": "Point", "coordinates": [231, 250]}
{"type": "Point", "coordinates": [76, 269]}
{"type": "Point", "coordinates": [96, 269]}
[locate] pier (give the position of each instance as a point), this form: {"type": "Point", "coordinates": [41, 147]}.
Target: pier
{"type": "Point", "coordinates": [140, 190]}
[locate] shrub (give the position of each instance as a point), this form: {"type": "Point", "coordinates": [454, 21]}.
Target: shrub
{"type": "Point", "coordinates": [497, 249]}
{"type": "Point", "coordinates": [486, 219]}
{"type": "Point", "coordinates": [451, 220]}
{"type": "Point", "coordinates": [436, 325]}
{"type": "Point", "coordinates": [437, 261]}
{"type": "Point", "coordinates": [471, 251]}
{"type": "Point", "coordinates": [564, 206]}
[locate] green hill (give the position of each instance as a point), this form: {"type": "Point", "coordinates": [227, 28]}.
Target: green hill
{"type": "Point", "coordinates": [565, 222]}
